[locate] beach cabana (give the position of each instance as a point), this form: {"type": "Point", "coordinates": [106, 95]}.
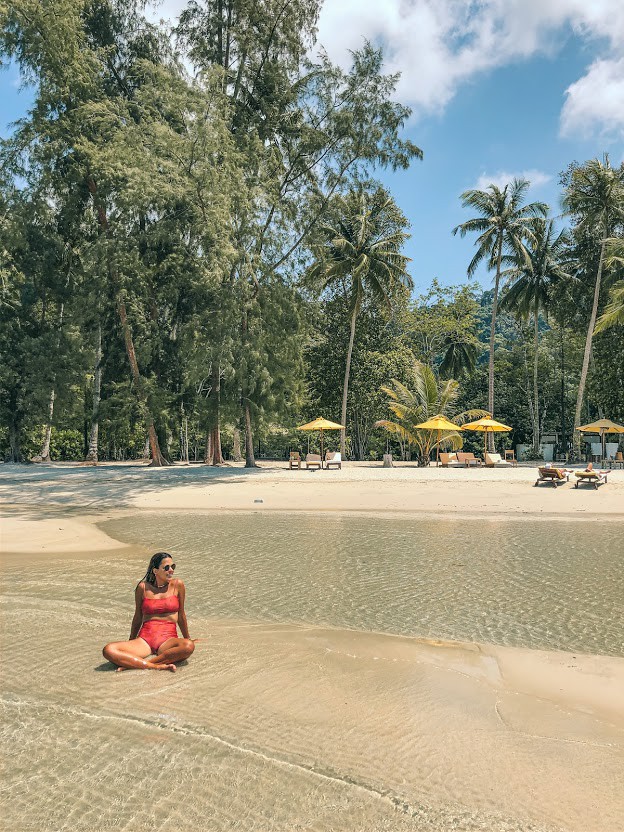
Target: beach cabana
{"type": "Point", "coordinates": [439, 424]}
{"type": "Point", "coordinates": [487, 425]}
{"type": "Point", "coordinates": [321, 425]}
{"type": "Point", "coordinates": [602, 427]}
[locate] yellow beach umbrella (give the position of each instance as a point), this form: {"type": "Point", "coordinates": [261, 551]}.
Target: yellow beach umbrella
{"type": "Point", "coordinates": [602, 427]}
{"type": "Point", "coordinates": [438, 423]}
{"type": "Point", "coordinates": [321, 425]}
{"type": "Point", "coordinates": [487, 425]}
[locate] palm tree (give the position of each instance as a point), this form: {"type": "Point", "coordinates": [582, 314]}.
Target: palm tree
{"type": "Point", "coordinates": [430, 397]}
{"type": "Point", "coordinates": [595, 197]}
{"type": "Point", "coordinates": [361, 255]}
{"type": "Point", "coordinates": [613, 314]}
{"type": "Point", "coordinates": [460, 356]}
{"type": "Point", "coordinates": [503, 224]}
{"type": "Point", "coordinates": [529, 287]}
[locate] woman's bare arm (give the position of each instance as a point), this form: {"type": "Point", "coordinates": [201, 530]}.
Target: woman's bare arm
{"type": "Point", "coordinates": [182, 622]}
{"type": "Point", "coordinates": [137, 620]}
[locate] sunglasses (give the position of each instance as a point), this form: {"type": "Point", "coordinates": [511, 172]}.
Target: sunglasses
{"type": "Point", "coordinates": [169, 567]}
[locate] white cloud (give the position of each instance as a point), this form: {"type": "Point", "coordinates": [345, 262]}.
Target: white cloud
{"type": "Point", "coordinates": [438, 45]}
{"type": "Point", "coordinates": [502, 178]}
{"type": "Point", "coordinates": [595, 103]}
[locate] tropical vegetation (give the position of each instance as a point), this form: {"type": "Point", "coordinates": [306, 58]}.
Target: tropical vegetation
{"type": "Point", "coordinates": [196, 254]}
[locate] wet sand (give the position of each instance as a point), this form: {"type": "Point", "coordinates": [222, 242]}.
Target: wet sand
{"type": "Point", "coordinates": [284, 726]}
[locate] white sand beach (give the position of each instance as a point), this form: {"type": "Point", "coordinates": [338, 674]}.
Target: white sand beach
{"type": "Point", "coordinates": [276, 725]}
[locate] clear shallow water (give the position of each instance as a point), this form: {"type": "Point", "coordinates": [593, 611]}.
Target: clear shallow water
{"type": "Point", "coordinates": [273, 728]}
{"type": "Point", "coordinates": [519, 583]}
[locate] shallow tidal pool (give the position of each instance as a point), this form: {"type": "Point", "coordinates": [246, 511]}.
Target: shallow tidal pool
{"type": "Point", "coordinates": [524, 583]}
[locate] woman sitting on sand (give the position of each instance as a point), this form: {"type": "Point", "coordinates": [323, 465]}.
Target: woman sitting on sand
{"type": "Point", "coordinates": [159, 611]}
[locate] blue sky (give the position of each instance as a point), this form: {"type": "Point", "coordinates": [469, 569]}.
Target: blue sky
{"type": "Point", "coordinates": [498, 88]}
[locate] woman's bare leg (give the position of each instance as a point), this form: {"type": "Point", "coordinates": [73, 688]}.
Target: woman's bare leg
{"type": "Point", "coordinates": [174, 650]}
{"type": "Point", "coordinates": [133, 655]}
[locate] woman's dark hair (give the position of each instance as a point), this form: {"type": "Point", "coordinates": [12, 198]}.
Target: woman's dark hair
{"type": "Point", "coordinates": [154, 563]}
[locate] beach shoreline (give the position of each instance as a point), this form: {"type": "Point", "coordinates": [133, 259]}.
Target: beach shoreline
{"type": "Point", "coordinates": [56, 508]}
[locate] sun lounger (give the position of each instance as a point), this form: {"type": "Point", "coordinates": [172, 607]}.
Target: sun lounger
{"type": "Point", "coordinates": [313, 461]}
{"type": "Point", "coordinates": [594, 478]}
{"type": "Point", "coordinates": [295, 460]}
{"type": "Point", "coordinates": [557, 476]}
{"type": "Point", "coordinates": [496, 461]}
{"type": "Point", "coordinates": [333, 458]}
{"type": "Point", "coordinates": [449, 460]}
{"type": "Point", "coordinates": [467, 459]}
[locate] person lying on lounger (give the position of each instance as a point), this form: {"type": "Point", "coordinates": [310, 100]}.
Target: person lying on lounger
{"type": "Point", "coordinates": [590, 470]}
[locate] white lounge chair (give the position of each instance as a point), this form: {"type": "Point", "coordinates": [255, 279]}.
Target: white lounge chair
{"type": "Point", "coordinates": [333, 458]}
{"type": "Point", "coordinates": [495, 461]}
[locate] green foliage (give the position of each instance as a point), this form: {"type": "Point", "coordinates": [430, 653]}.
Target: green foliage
{"type": "Point", "coordinates": [428, 397]}
{"type": "Point", "coordinates": [224, 234]}
{"type": "Point", "coordinates": [360, 257]}
{"type": "Point", "coordinates": [442, 328]}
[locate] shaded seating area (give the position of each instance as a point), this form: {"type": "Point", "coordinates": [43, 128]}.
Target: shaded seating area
{"type": "Point", "coordinates": [594, 478]}
{"type": "Point", "coordinates": [556, 476]}
{"type": "Point", "coordinates": [617, 461]}
{"type": "Point", "coordinates": [333, 459]}
{"type": "Point", "coordinates": [468, 459]}
{"type": "Point", "coordinates": [510, 456]}
{"type": "Point", "coordinates": [295, 460]}
{"type": "Point", "coordinates": [313, 461]}
{"type": "Point", "coordinates": [449, 460]}
{"type": "Point", "coordinates": [496, 461]}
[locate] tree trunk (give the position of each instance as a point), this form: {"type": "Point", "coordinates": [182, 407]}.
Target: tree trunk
{"type": "Point", "coordinates": [236, 452]}
{"type": "Point", "coordinates": [564, 443]}
{"type": "Point", "coordinates": [146, 448]}
{"type": "Point", "coordinates": [586, 356]}
{"type": "Point", "coordinates": [16, 454]}
{"type": "Point", "coordinates": [92, 453]}
{"type": "Point", "coordinates": [536, 422]}
{"type": "Point", "coordinates": [45, 448]}
{"type": "Point", "coordinates": [345, 386]}
{"type": "Point", "coordinates": [157, 458]}
{"type": "Point", "coordinates": [217, 455]}
{"type": "Point", "coordinates": [250, 460]}
{"type": "Point", "coordinates": [208, 449]}
{"type": "Point", "coordinates": [492, 337]}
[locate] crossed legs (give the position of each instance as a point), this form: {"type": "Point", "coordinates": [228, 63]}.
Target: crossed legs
{"type": "Point", "coordinates": [134, 654]}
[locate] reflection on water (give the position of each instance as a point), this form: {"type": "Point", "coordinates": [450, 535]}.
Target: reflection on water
{"type": "Point", "coordinates": [520, 583]}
